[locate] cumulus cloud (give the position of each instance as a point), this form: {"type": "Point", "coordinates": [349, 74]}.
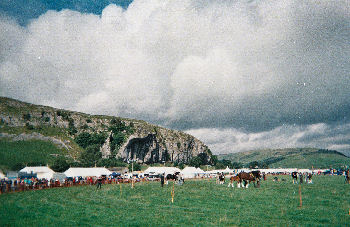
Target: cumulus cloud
{"type": "Point", "coordinates": [188, 64]}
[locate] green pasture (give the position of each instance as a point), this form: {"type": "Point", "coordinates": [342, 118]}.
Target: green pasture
{"type": "Point", "coordinates": [13, 153]}
{"type": "Point", "coordinates": [196, 203]}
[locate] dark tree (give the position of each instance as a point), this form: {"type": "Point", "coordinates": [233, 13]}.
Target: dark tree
{"type": "Point", "coordinates": [91, 155]}
{"type": "Point", "coordinates": [214, 159]}
{"type": "Point", "coordinates": [254, 165]}
{"type": "Point", "coordinates": [60, 165]}
{"type": "Point", "coordinates": [204, 158]}
{"type": "Point", "coordinates": [137, 167]}
{"type": "Point", "coordinates": [196, 162]}
{"type": "Point", "coordinates": [27, 116]}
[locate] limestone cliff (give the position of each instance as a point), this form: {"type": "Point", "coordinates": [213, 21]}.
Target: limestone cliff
{"type": "Point", "coordinates": [144, 142]}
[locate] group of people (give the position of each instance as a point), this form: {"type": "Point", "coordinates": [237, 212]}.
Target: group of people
{"type": "Point", "coordinates": [33, 183]}
{"type": "Point", "coordinates": [303, 177]}
{"type": "Point", "coordinates": [18, 184]}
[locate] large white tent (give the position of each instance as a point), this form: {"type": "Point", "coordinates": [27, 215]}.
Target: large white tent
{"type": "Point", "coordinates": [161, 170]}
{"type": "Point", "coordinates": [215, 171]}
{"type": "Point", "coordinates": [192, 172]}
{"type": "Point", "coordinates": [87, 172]}
{"type": "Point", "coordinates": [41, 171]}
{"type": "Point", "coordinates": [2, 175]}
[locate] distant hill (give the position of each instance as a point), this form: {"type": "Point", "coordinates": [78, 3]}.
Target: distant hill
{"type": "Point", "coordinates": [291, 158]}
{"type": "Point", "coordinates": [58, 132]}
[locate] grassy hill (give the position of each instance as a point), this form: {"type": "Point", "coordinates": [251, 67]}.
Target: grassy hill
{"type": "Point", "coordinates": [15, 154]}
{"type": "Point", "coordinates": [291, 158]}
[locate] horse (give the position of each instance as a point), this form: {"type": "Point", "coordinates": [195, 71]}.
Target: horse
{"type": "Point", "coordinates": [232, 179]}
{"type": "Point", "coordinates": [172, 176]}
{"type": "Point", "coordinates": [295, 177]}
{"type": "Point", "coordinates": [347, 176]}
{"type": "Point", "coordinates": [249, 177]}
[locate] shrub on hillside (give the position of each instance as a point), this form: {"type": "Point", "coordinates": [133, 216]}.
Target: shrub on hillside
{"type": "Point", "coordinates": [60, 165]}
{"type": "Point", "coordinates": [86, 139]}
{"type": "Point", "coordinates": [136, 166]}
{"type": "Point", "coordinates": [29, 126]}
{"type": "Point", "coordinates": [91, 155]}
{"type": "Point", "coordinates": [27, 116]}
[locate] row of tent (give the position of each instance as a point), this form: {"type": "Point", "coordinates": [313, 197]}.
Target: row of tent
{"type": "Point", "coordinates": [47, 173]}
{"type": "Point", "coordinates": [187, 172]}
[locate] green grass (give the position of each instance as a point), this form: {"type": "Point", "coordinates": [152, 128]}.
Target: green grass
{"type": "Point", "coordinates": [196, 203]}
{"type": "Point", "coordinates": [49, 131]}
{"type": "Point", "coordinates": [29, 151]}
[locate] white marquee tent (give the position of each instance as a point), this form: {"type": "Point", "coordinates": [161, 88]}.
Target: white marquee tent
{"type": "Point", "coordinates": [161, 170]}
{"type": "Point", "coordinates": [200, 171]}
{"type": "Point", "coordinates": [2, 175]}
{"type": "Point", "coordinates": [87, 172]}
{"type": "Point", "coordinates": [41, 171]}
{"type": "Point", "coordinates": [225, 171]}
{"type": "Point", "coordinates": [192, 172]}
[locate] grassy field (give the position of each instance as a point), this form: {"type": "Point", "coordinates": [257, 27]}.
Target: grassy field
{"type": "Point", "coordinates": [29, 151]}
{"type": "Point", "coordinates": [196, 203]}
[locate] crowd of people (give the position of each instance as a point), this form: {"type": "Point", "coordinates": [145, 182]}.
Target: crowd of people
{"type": "Point", "coordinates": [33, 183]}
{"type": "Point", "coordinates": [18, 184]}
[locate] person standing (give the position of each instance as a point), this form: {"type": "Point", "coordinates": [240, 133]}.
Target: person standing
{"type": "Point", "coordinates": [347, 176]}
{"type": "Point", "coordinates": [309, 181]}
{"type": "Point", "coordinates": [162, 180]}
{"type": "Point", "coordinates": [99, 183]}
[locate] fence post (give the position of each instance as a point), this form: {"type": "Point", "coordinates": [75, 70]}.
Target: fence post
{"type": "Point", "coordinates": [300, 198]}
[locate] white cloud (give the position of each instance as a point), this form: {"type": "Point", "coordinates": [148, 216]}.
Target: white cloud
{"type": "Point", "coordinates": [251, 65]}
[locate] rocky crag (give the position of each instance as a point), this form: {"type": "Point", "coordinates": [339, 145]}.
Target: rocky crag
{"type": "Point", "coordinates": [142, 142]}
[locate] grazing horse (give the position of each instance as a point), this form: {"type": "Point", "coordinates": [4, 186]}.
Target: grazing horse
{"type": "Point", "coordinates": [249, 177]}
{"type": "Point", "coordinates": [232, 179]}
{"type": "Point", "coordinates": [295, 177]}
{"type": "Point", "coordinates": [172, 176]}
{"type": "Point", "coordinates": [347, 176]}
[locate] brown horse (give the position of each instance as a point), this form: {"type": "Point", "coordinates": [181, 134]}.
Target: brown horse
{"type": "Point", "coordinates": [232, 179]}
{"type": "Point", "coordinates": [249, 177]}
{"type": "Point", "coordinates": [347, 176]}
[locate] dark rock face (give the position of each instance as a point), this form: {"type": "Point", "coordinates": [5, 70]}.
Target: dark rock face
{"type": "Point", "coordinates": [143, 149]}
{"type": "Point", "coordinates": [150, 149]}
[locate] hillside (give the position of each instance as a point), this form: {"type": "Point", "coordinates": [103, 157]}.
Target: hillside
{"type": "Point", "coordinates": [73, 133]}
{"type": "Point", "coordinates": [291, 158]}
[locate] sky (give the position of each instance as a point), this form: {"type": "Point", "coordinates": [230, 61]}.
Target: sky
{"type": "Point", "coordinates": [239, 75]}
